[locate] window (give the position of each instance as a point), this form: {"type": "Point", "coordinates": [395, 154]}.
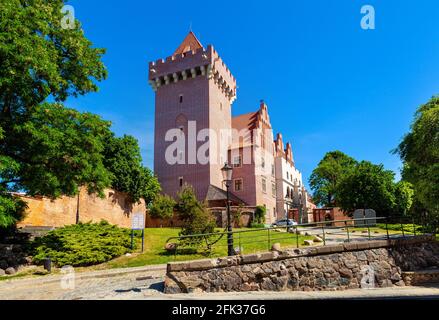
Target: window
{"type": "Point", "coordinates": [274, 212]}
{"type": "Point", "coordinates": [263, 163]}
{"type": "Point", "coordinates": [273, 189]}
{"type": "Point", "coordinates": [288, 175]}
{"type": "Point", "coordinates": [238, 185]}
{"type": "Point", "coordinates": [264, 185]}
{"type": "Point", "coordinates": [181, 98]}
{"type": "Point", "coordinates": [237, 161]}
{"type": "Point", "coordinates": [221, 106]}
{"type": "Point", "coordinates": [272, 170]}
{"type": "Point", "coordinates": [288, 192]}
{"type": "Point", "coordinates": [180, 181]}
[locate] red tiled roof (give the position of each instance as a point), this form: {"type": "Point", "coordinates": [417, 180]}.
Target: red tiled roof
{"type": "Point", "coordinates": [245, 121]}
{"type": "Point", "coordinates": [190, 43]}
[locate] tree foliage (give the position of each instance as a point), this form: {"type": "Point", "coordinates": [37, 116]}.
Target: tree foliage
{"type": "Point", "coordinates": [56, 150]}
{"type": "Point", "coordinates": [162, 207]}
{"type": "Point", "coordinates": [325, 178]}
{"type": "Point", "coordinates": [196, 218]}
{"type": "Point", "coordinates": [367, 186]}
{"type": "Point", "coordinates": [260, 213]}
{"type": "Point", "coordinates": [123, 160]}
{"type": "Point", "coordinates": [419, 150]}
{"type": "Point", "coordinates": [47, 149]}
{"type": "Point", "coordinates": [40, 59]}
{"type": "Point", "coordinates": [404, 195]}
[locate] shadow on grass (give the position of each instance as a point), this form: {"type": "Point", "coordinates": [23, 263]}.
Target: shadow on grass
{"type": "Point", "coordinates": [183, 251]}
{"type": "Point", "coordinates": [190, 252]}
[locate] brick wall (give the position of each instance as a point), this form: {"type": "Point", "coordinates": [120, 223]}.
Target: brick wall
{"type": "Point", "coordinates": [114, 208]}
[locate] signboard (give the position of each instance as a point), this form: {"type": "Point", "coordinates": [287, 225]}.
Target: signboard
{"type": "Point", "coordinates": [365, 213]}
{"type": "Point", "coordinates": [138, 221]}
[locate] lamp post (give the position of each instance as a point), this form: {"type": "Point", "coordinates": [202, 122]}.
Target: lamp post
{"type": "Point", "coordinates": [227, 171]}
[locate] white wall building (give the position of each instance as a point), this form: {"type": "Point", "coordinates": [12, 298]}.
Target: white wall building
{"type": "Point", "coordinates": [290, 190]}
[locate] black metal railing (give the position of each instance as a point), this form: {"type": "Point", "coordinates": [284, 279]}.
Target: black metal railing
{"type": "Point", "coordinates": [325, 232]}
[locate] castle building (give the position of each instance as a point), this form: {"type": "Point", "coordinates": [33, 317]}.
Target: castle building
{"type": "Point", "coordinates": [195, 134]}
{"type": "Point", "coordinates": [252, 158]}
{"type": "Point", "coordinates": [194, 92]}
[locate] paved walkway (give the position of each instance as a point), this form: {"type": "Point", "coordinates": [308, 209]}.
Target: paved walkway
{"type": "Point", "coordinates": [139, 284]}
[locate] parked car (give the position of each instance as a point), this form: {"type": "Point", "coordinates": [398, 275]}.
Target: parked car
{"type": "Point", "coordinates": [284, 223]}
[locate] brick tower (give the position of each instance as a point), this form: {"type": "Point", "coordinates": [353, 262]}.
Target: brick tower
{"type": "Point", "coordinates": [194, 90]}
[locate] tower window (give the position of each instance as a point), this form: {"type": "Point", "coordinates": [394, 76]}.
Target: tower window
{"type": "Point", "coordinates": [238, 184]}
{"type": "Point", "coordinates": [237, 163]}
{"type": "Point", "coordinates": [221, 106]}
{"type": "Point", "coordinates": [181, 98]}
{"type": "Point", "coordinates": [180, 181]}
{"type": "Point", "coordinates": [264, 185]}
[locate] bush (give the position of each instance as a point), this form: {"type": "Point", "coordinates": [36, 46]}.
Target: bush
{"type": "Point", "coordinates": [257, 225]}
{"type": "Point", "coordinates": [196, 218]}
{"type": "Point", "coordinates": [83, 244]}
{"type": "Point", "coordinates": [407, 227]}
{"type": "Point", "coordinates": [260, 213]}
{"type": "Point", "coordinates": [162, 207]}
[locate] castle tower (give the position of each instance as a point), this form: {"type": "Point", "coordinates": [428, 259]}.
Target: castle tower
{"type": "Point", "coordinates": [194, 91]}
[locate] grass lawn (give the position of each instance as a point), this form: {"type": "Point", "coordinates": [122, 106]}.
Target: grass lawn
{"type": "Point", "coordinates": [155, 239]}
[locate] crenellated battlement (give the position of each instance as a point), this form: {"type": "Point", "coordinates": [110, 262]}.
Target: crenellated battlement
{"type": "Point", "coordinates": [192, 64]}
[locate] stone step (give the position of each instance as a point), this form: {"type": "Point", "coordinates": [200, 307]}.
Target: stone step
{"type": "Point", "coordinates": [419, 277]}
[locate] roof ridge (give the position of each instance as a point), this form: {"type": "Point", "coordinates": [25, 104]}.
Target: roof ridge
{"type": "Point", "coordinates": [190, 43]}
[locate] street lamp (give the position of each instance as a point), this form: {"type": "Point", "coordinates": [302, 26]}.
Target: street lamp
{"type": "Point", "coordinates": [227, 171]}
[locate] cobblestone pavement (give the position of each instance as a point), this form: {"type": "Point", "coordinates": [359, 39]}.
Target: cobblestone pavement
{"type": "Point", "coordinates": [149, 285]}
{"type": "Point", "coordinates": [128, 286]}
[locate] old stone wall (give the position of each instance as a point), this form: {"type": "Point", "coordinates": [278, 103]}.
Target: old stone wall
{"type": "Point", "coordinates": [378, 263]}
{"type": "Point", "coordinates": [114, 208]}
{"type": "Point", "coordinates": [246, 216]}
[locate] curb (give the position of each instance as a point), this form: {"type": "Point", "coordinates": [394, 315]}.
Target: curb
{"type": "Point", "coordinates": [108, 273]}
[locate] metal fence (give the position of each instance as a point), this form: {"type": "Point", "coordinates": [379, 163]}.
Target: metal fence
{"type": "Point", "coordinates": [324, 232]}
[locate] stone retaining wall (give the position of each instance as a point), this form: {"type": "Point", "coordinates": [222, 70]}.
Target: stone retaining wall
{"type": "Point", "coordinates": [335, 267]}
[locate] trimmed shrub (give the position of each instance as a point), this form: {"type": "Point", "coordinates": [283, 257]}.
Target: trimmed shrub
{"type": "Point", "coordinates": [83, 244]}
{"type": "Point", "coordinates": [260, 213]}
{"type": "Point", "coordinates": [257, 225]}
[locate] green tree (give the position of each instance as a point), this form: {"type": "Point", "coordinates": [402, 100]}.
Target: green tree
{"type": "Point", "coordinates": [39, 58]}
{"type": "Point", "coordinates": [38, 152]}
{"type": "Point", "coordinates": [403, 198]}
{"type": "Point", "coordinates": [326, 176]}
{"type": "Point", "coordinates": [260, 214]}
{"type": "Point", "coordinates": [11, 208]}
{"type": "Point", "coordinates": [123, 160]}
{"type": "Point", "coordinates": [196, 218]}
{"type": "Point", "coordinates": [162, 207]}
{"type": "Point", "coordinates": [367, 186]}
{"type": "Point", "coordinates": [54, 150]}
{"type": "Point", "coordinates": [419, 150]}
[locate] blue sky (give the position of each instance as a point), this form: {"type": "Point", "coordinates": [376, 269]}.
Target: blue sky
{"type": "Point", "coordinates": [328, 83]}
